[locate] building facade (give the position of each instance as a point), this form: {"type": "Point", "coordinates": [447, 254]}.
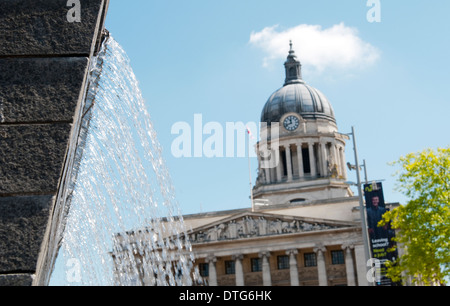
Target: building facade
{"type": "Point", "coordinates": [305, 227]}
{"type": "Point", "coordinates": [276, 247]}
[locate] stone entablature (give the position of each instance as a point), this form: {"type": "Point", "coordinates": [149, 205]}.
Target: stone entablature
{"type": "Point", "coordinates": [259, 225]}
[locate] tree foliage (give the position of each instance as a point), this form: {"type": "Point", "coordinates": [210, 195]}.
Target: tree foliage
{"type": "Point", "coordinates": [423, 224]}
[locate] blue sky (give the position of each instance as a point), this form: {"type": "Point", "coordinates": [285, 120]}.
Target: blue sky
{"type": "Point", "coordinates": [197, 57]}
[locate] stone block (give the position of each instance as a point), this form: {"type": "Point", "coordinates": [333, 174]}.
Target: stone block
{"type": "Point", "coordinates": [23, 221]}
{"type": "Point", "coordinates": [32, 157]}
{"type": "Point", "coordinates": [50, 27]}
{"type": "Point", "coordinates": [16, 280]}
{"type": "Point", "coordinates": [40, 89]}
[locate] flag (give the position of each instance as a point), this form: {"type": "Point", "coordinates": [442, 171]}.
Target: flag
{"type": "Point", "coordinates": [250, 133]}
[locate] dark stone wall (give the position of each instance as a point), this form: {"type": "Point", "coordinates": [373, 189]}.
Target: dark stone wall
{"type": "Point", "coordinates": [44, 65]}
{"type": "Point", "coordinates": [41, 27]}
{"type": "Point", "coordinates": [40, 91]}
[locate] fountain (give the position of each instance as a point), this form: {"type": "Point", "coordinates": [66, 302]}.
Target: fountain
{"type": "Point", "coordinates": [122, 189]}
{"type": "Point", "coordinates": [65, 179]}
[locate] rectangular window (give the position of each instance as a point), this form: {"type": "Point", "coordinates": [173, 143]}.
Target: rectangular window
{"type": "Point", "coordinates": [337, 257]}
{"type": "Point", "coordinates": [256, 264]}
{"type": "Point", "coordinates": [229, 267]}
{"type": "Point", "coordinates": [204, 269]}
{"type": "Point", "coordinates": [283, 262]}
{"type": "Point", "coordinates": [310, 260]}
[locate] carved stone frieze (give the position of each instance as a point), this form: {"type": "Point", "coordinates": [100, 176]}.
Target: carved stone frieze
{"type": "Point", "coordinates": [251, 226]}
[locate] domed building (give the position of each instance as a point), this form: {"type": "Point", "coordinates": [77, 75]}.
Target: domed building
{"type": "Point", "coordinates": [305, 227]}
{"type": "Point", "coordinates": [306, 159]}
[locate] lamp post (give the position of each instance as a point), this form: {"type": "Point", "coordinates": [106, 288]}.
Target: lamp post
{"type": "Point", "coordinates": [361, 202]}
{"type": "Point", "coordinates": [365, 171]}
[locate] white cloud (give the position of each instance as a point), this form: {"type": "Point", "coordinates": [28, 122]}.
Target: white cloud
{"type": "Point", "coordinates": [338, 47]}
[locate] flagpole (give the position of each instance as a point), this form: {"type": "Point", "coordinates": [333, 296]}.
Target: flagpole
{"type": "Point", "coordinates": [250, 171]}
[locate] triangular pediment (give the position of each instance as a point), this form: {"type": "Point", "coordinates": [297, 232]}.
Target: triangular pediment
{"type": "Point", "coordinates": [251, 225]}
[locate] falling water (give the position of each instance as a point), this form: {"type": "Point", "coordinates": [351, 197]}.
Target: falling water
{"type": "Point", "coordinates": [124, 226]}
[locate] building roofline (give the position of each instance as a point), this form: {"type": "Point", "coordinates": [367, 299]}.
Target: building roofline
{"type": "Point", "coordinates": [268, 207]}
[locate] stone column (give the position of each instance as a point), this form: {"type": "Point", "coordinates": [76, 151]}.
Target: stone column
{"type": "Point", "coordinates": [335, 159]}
{"type": "Point", "coordinates": [212, 270]}
{"type": "Point", "coordinates": [301, 173]}
{"type": "Point", "coordinates": [268, 178]}
{"type": "Point", "coordinates": [267, 279]}
{"type": "Point", "coordinates": [349, 265]}
{"type": "Point", "coordinates": [343, 165]}
{"type": "Point", "coordinates": [320, 161]}
{"type": "Point", "coordinates": [260, 169]}
{"type": "Point", "coordinates": [288, 163]}
{"type": "Point", "coordinates": [279, 166]}
{"type": "Point", "coordinates": [312, 160]}
{"type": "Point", "coordinates": [293, 267]}
{"type": "Point", "coordinates": [321, 267]}
{"type": "Point", "coordinates": [239, 270]}
{"type": "Point", "coordinates": [323, 159]}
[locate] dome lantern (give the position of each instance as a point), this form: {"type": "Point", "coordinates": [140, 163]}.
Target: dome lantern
{"type": "Point", "coordinates": [293, 68]}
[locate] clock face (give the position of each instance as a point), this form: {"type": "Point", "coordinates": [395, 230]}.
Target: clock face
{"type": "Point", "coordinates": [291, 123]}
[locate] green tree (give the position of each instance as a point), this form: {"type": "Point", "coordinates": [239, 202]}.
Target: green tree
{"type": "Point", "coordinates": [423, 224]}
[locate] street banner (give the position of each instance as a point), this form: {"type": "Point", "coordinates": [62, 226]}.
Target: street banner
{"type": "Point", "coordinates": [380, 237]}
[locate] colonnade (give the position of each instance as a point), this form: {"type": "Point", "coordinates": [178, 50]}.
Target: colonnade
{"type": "Point", "coordinates": [302, 160]}
{"type": "Point", "coordinates": [351, 263]}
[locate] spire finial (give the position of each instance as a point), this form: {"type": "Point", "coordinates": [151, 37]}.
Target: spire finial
{"type": "Point", "coordinates": [290, 44]}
